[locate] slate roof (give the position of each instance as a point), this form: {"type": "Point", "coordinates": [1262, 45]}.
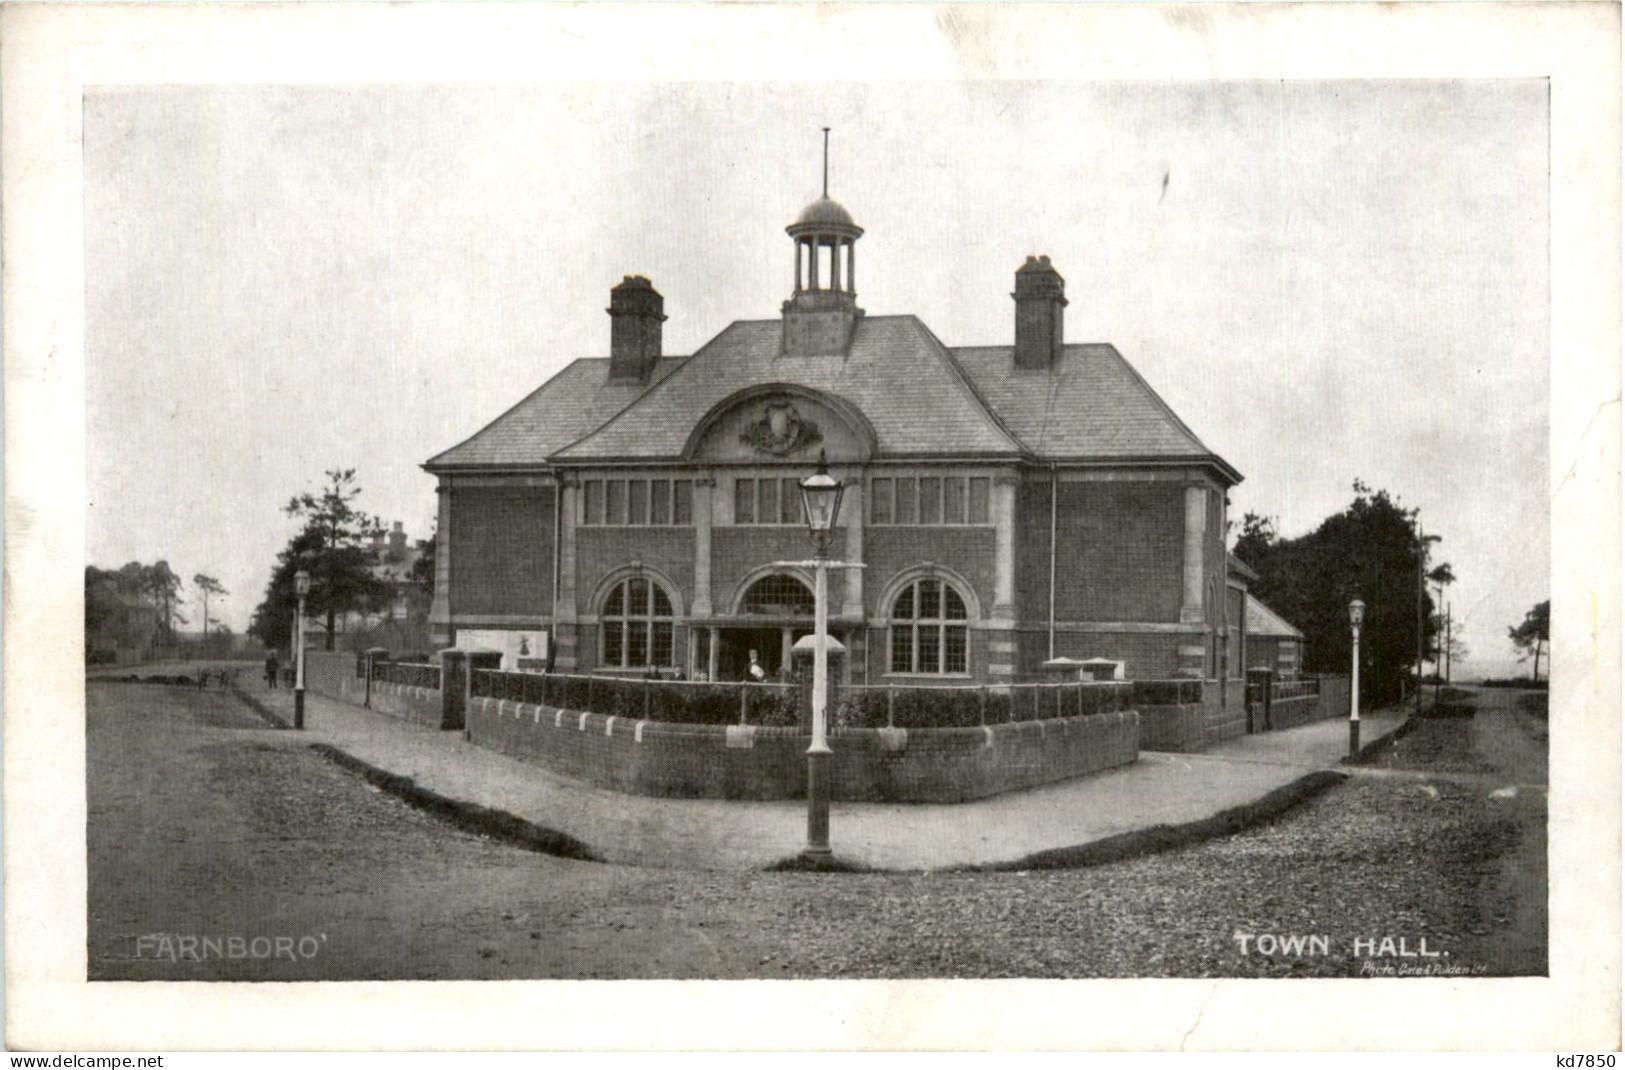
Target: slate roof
{"type": "Point", "coordinates": [1265, 622]}
{"type": "Point", "coordinates": [555, 414]}
{"type": "Point", "coordinates": [916, 397]}
{"type": "Point", "coordinates": [921, 398]}
{"type": "Point", "coordinates": [1238, 567]}
{"type": "Point", "coordinates": [1091, 404]}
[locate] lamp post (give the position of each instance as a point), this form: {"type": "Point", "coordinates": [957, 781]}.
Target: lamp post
{"type": "Point", "coordinates": [301, 584]}
{"type": "Point", "coordinates": [1356, 618]}
{"type": "Point", "coordinates": [821, 501]}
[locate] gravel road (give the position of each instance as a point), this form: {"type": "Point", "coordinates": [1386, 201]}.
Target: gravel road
{"type": "Point", "coordinates": [204, 825]}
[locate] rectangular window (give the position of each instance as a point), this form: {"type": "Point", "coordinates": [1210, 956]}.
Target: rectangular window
{"type": "Point", "coordinates": [930, 649]}
{"type": "Point", "coordinates": [637, 644]}
{"type": "Point", "coordinates": [744, 501]}
{"type": "Point", "coordinates": [790, 507]}
{"type": "Point", "coordinates": [907, 501]}
{"type": "Point", "coordinates": [955, 657]}
{"type": "Point", "coordinates": [978, 499]}
{"type": "Point", "coordinates": [615, 501]}
{"type": "Point", "coordinates": [953, 500]}
{"type": "Point", "coordinates": [637, 501]}
{"type": "Point", "coordinates": [880, 498]}
{"type": "Point", "coordinates": [931, 500]}
{"type": "Point", "coordinates": [682, 501]}
{"type": "Point", "coordinates": [767, 501]}
{"type": "Point", "coordinates": [614, 645]}
{"type": "Point", "coordinates": [660, 501]}
{"type": "Point", "coordinates": [662, 644]}
{"type": "Point", "coordinates": [592, 502]}
{"type": "Point", "coordinates": [902, 648]}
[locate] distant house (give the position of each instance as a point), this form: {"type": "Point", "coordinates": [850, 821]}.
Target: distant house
{"type": "Point", "coordinates": [1272, 643]}
{"type": "Point", "coordinates": [401, 621]}
{"type": "Point", "coordinates": [120, 626]}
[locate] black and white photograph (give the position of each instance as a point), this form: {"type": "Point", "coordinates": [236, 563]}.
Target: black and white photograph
{"type": "Point", "coordinates": [842, 526]}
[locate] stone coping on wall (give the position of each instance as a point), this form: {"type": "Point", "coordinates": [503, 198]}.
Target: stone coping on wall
{"type": "Point", "coordinates": [754, 762]}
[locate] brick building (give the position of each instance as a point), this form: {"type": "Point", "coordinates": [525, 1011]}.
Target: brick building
{"type": "Point", "coordinates": [1012, 503]}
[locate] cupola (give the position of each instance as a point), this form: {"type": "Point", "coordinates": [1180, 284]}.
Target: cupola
{"type": "Point", "coordinates": [821, 314]}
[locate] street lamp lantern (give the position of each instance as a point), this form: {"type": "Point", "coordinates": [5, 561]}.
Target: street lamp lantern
{"type": "Point", "coordinates": [1356, 619]}
{"type": "Point", "coordinates": [821, 503]}
{"type": "Point", "coordinates": [301, 586]}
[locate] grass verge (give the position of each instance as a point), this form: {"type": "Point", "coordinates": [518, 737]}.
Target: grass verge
{"type": "Point", "coordinates": [1159, 838]}
{"type": "Point", "coordinates": [470, 817]}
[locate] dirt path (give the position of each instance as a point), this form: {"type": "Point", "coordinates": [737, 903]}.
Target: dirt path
{"type": "Point", "coordinates": [204, 823]}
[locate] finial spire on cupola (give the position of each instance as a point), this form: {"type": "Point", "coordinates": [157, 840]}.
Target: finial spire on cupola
{"type": "Point", "coordinates": [820, 314]}
{"type": "Point", "coordinates": [826, 162]}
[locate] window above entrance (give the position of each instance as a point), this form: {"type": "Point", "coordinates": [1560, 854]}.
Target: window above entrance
{"type": "Point", "coordinates": [778, 596]}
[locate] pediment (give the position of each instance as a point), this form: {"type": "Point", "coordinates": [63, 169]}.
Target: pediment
{"type": "Point", "coordinates": [781, 422]}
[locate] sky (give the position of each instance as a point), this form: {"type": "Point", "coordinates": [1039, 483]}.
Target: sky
{"type": "Point", "coordinates": [1326, 280]}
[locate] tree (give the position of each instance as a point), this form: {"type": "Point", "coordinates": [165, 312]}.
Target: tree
{"type": "Point", "coordinates": [1533, 634]}
{"type": "Point", "coordinates": [1370, 551]}
{"type": "Point", "coordinates": [161, 587]}
{"type": "Point", "coordinates": [209, 587]}
{"type": "Point", "coordinates": [333, 545]}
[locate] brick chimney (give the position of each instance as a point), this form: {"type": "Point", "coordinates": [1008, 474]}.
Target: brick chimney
{"type": "Point", "coordinates": [1040, 297]}
{"type": "Point", "coordinates": [636, 313]}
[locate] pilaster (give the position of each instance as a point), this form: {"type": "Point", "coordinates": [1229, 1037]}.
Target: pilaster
{"type": "Point", "coordinates": [704, 491]}
{"type": "Point", "coordinates": [1004, 547]}
{"type": "Point", "coordinates": [852, 521]}
{"type": "Point", "coordinates": [1190, 609]}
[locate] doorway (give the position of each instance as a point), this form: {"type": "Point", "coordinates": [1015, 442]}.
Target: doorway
{"type": "Point", "coordinates": [771, 643]}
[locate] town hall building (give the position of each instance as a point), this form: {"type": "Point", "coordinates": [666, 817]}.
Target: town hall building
{"type": "Point", "coordinates": [1011, 504]}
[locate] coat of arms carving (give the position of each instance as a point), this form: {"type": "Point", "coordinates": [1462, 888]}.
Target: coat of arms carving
{"type": "Point", "coordinates": [781, 430]}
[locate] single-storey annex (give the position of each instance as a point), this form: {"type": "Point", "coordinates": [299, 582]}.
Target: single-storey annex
{"type": "Point", "coordinates": [1011, 503]}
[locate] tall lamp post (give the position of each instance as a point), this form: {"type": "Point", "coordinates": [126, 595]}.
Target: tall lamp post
{"type": "Point", "coordinates": [301, 584]}
{"type": "Point", "coordinates": [1356, 618]}
{"type": "Point", "coordinates": [821, 500]}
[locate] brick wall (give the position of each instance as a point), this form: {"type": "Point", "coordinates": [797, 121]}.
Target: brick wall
{"type": "Point", "coordinates": [1226, 719]}
{"type": "Point", "coordinates": [1173, 728]}
{"type": "Point", "coordinates": [1145, 655]}
{"type": "Point", "coordinates": [328, 674]}
{"type": "Point", "coordinates": [737, 551]}
{"type": "Point", "coordinates": [1032, 552]}
{"type": "Point", "coordinates": [602, 550]}
{"type": "Point", "coordinates": [1121, 551]}
{"type": "Point", "coordinates": [888, 765]}
{"type": "Point", "coordinates": [889, 550]}
{"type": "Point", "coordinates": [334, 676]}
{"type": "Point", "coordinates": [502, 558]}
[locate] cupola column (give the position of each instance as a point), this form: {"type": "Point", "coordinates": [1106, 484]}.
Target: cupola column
{"type": "Point", "coordinates": [835, 263]}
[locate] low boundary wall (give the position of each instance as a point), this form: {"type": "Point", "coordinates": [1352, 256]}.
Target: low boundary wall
{"type": "Point", "coordinates": [334, 676]}
{"type": "Point", "coordinates": [750, 762]}
{"type": "Point", "coordinates": [1178, 728]}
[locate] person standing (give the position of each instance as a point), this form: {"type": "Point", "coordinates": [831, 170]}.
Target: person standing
{"type": "Point", "coordinates": [756, 673]}
{"type": "Point", "coordinates": [271, 667]}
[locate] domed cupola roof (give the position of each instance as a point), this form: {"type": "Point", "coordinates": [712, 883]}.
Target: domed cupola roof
{"type": "Point", "coordinates": [824, 211]}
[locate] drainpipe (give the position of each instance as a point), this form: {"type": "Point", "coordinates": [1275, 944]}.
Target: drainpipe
{"type": "Point", "coordinates": [1054, 512]}
{"type": "Point", "coordinates": [558, 537]}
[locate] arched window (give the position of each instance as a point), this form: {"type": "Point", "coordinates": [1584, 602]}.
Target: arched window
{"type": "Point", "coordinates": [779, 595]}
{"type": "Point", "coordinates": [637, 626]}
{"type": "Point", "coordinates": [929, 631]}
